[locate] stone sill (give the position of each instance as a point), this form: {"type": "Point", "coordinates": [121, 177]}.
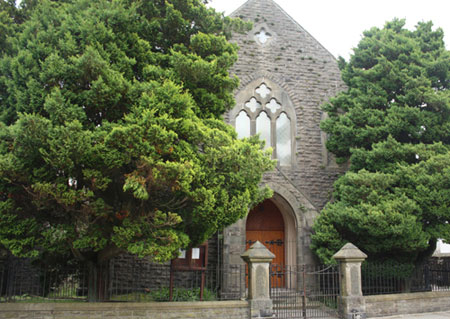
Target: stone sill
{"type": "Point", "coordinates": [408, 296]}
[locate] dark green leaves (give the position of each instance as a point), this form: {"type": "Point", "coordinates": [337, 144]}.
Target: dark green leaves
{"type": "Point", "coordinates": [111, 132]}
{"type": "Point", "coordinates": [392, 125]}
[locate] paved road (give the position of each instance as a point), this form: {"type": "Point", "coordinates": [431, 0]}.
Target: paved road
{"type": "Point", "coordinates": [433, 315]}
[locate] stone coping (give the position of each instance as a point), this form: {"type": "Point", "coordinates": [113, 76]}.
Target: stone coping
{"type": "Point", "coordinates": [440, 255]}
{"type": "Point", "coordinates": [112, 306]}
{"type": "Point", "coordinates": [408, 296]}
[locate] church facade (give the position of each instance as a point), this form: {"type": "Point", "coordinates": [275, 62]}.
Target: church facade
{"type": "Point", "coordinates": [285, 76]}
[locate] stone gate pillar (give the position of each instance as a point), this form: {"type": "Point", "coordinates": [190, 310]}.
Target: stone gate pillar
{"type": "Point", "coordinates": [258, 258]}
{"type": "Point", "coordinates": [352, 304]}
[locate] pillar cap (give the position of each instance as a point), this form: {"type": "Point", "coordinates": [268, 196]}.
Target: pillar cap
{"type": "Point", "coordinates": [258, 253]}
{"type": "Point", "coordinates": [350, 252]}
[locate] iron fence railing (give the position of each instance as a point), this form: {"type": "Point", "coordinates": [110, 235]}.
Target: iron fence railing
{"type": "Point", "coordinates": [379, 278]}
{"type": "Point", "coordinates": [392, 278]}
{"type": "Point", "coordinates": [133, 280]}
{"type": "Point", "coordinates": [305, 291]}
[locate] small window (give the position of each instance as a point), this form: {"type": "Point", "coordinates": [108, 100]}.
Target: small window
{"type": "Point", "coordinates": [283, 148]}
{"type": "Point", "coordinates": [243, 125]}
{"type": "Point", "coordinates": [262, 36]}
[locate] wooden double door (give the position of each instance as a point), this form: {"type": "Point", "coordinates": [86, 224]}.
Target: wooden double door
{"type": "Point", "coordinates": [265, 224]}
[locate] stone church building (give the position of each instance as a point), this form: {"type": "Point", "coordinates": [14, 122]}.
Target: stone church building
{"type": "Point", "coordinates": [285, 76]}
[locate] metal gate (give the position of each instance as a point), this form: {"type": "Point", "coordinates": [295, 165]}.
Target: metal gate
{"type": "Point", "coordinates": [305, 291]}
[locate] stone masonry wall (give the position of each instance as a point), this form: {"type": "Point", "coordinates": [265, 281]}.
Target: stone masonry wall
{"type": "Point", "coordinates": [298, 65]}
{"type": "Point", "coordinates": [408, 303]}
{"type": "Point", "coordinates": [309, 74]}
{"type": "Point", "coordinates": [175, 310]}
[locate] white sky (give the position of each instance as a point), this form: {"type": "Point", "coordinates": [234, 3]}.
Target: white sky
{"type": "Point", "coordinates": [338, 24]}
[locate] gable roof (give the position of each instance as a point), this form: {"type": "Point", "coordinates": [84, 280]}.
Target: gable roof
{"type": "Point", "coordinates": [271, 3]}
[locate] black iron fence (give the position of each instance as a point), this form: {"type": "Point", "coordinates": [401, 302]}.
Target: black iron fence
{"type": "Point", "coordinates": [131, 280]}
{"type": "Point", "coordinates": [391, 278]}
{"type": "Point", "coordinates": [305, 291]}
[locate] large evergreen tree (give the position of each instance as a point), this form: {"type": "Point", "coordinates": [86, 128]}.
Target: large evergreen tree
{"type": "Point", "coordinates": [112, 138]}
{"type": "Point", "coordinates": [393, 125]}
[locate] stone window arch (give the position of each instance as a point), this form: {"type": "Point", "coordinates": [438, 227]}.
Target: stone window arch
{"type": "Point", "coordinates": [264, 108]}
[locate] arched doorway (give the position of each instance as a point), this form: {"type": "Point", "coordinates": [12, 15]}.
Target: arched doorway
{"type": "Point", "coordinates": [265, 224]}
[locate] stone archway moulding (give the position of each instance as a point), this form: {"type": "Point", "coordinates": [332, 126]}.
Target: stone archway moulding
{"type": "Point", "coordinates": [303, 212]}
{"type": "Point", "coordinates": [297, 211]}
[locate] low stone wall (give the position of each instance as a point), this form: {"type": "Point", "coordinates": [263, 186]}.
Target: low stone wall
{"type": "Point", "coordinates": [163, 310]}
{"type": "Point", "coordinates": [408, 303]}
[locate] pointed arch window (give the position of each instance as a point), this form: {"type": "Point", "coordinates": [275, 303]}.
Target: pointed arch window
{"type": "Point", "coordinates": [243, 125]}
{"type": "Point", "coordinates": [263, 128]}
{"type": "Point", "coordinates": [283, 144]}
{"type": "Point", "coordinates": [270, 114]}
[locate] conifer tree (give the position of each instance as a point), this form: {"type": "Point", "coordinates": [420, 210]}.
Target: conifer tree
{"type": "Point", "coordinates": [111, 135]}
{"type": "Point", "coordinates": [393, 126]}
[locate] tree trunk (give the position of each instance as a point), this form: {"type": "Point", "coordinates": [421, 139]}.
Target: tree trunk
{"type": "Point", "coordinates": [98, 271]}
{"type": "Point", "coordinates": [98, 282]}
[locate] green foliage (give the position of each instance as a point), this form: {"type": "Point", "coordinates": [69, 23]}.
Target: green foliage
{"type": "Point", "coordinates": [393, 125]}
{"type": "Point", "coordinates": [182, 294]}
{"type": "Point", "coordinates": [397, 86]}
{"type": "Point", "coordinates": [389, 270]}
{"type": "Point", "coordinates": [112, 137]}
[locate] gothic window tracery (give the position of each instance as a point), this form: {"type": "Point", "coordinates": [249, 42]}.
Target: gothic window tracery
{"type": "Point", "coordinates": [263, 113]}
{"type": "Point", "coordinates": [273, 106]}
{"type": "Point", "coordinates": [253, 104]}
{"type": "Point", "coordinates": [263, 90]}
